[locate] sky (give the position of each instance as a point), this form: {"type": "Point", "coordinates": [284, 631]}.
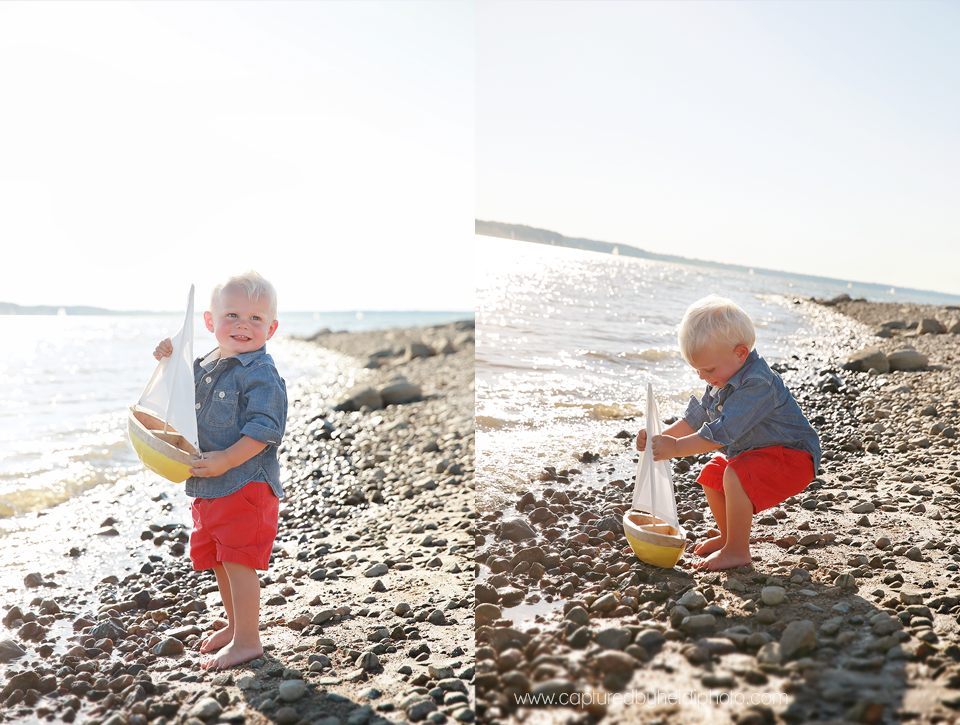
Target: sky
{"type": "Point", "coordinates": [147, 146]}
{"type": "Point", "coordinates": [811, 137]}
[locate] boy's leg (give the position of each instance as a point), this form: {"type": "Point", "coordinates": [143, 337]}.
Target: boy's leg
{"type": "Point", "coordinates": [739, 518]}
{"type": "Point", "coordinates": [221, 638]}
{"type": "Point", "coordinates": [711, 479]}
{"type": "Point", "coordinates": [244, 586]}
{"type": "Point", "coordinates": [718, 507]}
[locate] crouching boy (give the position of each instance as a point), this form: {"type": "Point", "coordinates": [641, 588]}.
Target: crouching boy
{"type": "Point", "coordinates": [769, 451]}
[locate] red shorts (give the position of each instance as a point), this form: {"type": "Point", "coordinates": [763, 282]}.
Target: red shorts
{"type": "Point", "coordinates": [240, 528]}
{"type": "Point", "coordinates": [768, 475]}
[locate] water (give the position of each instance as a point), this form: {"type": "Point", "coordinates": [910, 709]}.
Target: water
{"type": "Point", "coordinates": [567, 341]}
{"type": "Point", "coordinates": [65, 384]}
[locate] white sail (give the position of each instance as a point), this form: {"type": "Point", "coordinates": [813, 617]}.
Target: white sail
{"type": "Point", "coordinates": [653, 491]}
{"type": "Point", "coordinates": [170, 392]}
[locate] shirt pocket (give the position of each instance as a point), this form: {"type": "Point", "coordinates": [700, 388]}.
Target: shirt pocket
{"type": "Point", "coordinates": [222, 410]}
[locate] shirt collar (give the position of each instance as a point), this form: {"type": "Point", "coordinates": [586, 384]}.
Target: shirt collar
{"type": "Point", "coordinates": [738, 376]}
{"type": "Point", "coordinates": [244, 358]}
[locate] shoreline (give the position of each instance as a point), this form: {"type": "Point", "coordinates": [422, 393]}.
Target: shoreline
{"type": "Point", "coordinates": [848, 609]}
{"type": "Point", "coordinates": [365, 609]}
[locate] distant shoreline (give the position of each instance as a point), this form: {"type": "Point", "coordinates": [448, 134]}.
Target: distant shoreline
{"type": "Point", "coordinates": [523, 233]}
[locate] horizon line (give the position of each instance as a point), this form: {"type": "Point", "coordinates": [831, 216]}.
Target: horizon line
{"type": "Point", "coordinates": [678, 259]}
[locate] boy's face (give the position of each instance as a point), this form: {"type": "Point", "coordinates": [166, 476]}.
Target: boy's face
{"type": "Point", "coordinates": [239, 323]}
{"type": "Point", "coordinates": [718, 362]}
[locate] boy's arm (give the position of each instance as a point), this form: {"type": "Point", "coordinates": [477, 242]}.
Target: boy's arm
{"type": "Point", "coordinates": [216, 463]}
{"type": "Point", "coordinates": [667, 446]}
{"type": "Point", "coordinates": [679, 429]}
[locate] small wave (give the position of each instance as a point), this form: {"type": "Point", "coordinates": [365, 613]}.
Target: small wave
{"type": "Point", "coordinates": [654, 355]}
{"type": "Point", "coordinates": [50, 480]}
{"type": "Point", "coordinates": [490, 422]}
{"type": "Point", "coordinates": [38, 498]}
{"type": "Point", "coordinates": [604, 411]}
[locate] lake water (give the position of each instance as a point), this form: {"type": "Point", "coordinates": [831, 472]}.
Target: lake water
{"type": "Point", "coordinates": [567, 341]}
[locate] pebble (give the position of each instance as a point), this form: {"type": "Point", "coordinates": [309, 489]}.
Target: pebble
{"type": "Point", "coordinates": [292, 690]}
{"type": "Point", "coordinates": [206, 708]}
{"type": "Point", "coordinates": [420, 709]}
{"type": "Point", "coordinates": [772, 596]}
{"type": "Point", "coordinates": [698, 624]}
{"type": "Point", "coordinates": [169, 647]}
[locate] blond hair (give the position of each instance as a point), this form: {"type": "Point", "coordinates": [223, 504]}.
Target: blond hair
{"type": "Point", "coordinates": [714, 319]}
{"type": "Point", "coordinates": [253, 284]}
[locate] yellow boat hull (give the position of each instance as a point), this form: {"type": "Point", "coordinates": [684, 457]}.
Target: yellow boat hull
{"type": "Point", "coordinates": [654, 541]}
{"type": "Point", "coordinates": [165, 453]}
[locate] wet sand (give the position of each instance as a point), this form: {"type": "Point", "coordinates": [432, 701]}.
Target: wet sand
{"type": "Point", "coordinates": [849, 609]}
{"type": "Point", "coordinates": [366, 609]}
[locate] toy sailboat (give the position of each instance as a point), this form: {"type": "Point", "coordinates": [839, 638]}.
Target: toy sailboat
{"type": "Point", "coordinates": [163, 424]}
{"type": "Point", "coordinates": [652, 526]}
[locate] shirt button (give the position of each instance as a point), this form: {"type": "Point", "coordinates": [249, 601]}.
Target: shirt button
{"type": "Point", "coordinates": [209, 380]}
{"type": "Point", "coordinates": [719, 408]}
{"type": "Point", "coordinates": [222, 394]}
{"type": "Point", "coordinates": [197, 406]}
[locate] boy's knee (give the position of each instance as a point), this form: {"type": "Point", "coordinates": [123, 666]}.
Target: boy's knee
{"type": "Point", "coordinates": [730, 478]}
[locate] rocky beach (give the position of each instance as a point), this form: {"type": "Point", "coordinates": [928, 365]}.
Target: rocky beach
{"type": "Point", "coordinates": [367, 609]}
{"type": "Point", "coordinates": [849, 611]}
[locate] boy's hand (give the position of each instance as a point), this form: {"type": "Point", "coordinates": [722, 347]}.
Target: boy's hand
{"type": "Point", "coordinates": [164, 349]}
{"type": "Point", "coordinates": [663, 447]}
{"type": "Point", "coordinates": [642, 440]}
{"type": "Point", "coordinates": [214, 463]}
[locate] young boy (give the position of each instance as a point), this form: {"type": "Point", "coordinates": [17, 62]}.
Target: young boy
{"type": "Point", "coordinates": [236, 491]}
{"type": "Point", "coordinates": [772, 452]}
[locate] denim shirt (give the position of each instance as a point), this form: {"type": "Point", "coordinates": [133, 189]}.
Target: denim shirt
{"type": "Point", "coordinates": [753, 410]}
{"type": "Point", "coordinates": [241, 395]}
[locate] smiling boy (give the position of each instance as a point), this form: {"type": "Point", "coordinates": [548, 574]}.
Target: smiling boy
{"type": "Point", "coordinates": [241, 405]}
{"type": "Point", "coordinates": [770, 450]}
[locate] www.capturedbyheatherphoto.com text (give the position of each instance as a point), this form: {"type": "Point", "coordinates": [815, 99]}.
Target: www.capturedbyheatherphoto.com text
{"type": "Point", "coordinates": [659, 698]}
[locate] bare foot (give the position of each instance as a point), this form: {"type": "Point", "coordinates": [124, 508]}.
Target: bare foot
{"type": "Point", "coordinates": [217, 640]}
{"type": "Point", "coordinates": [709, 546]}
{"type": "Point", "coordinates": [232, 654]}
{"type": "Point", "coordinates": [723, 559]}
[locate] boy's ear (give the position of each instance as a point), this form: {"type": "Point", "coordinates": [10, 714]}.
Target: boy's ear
{"type": "Point", "coordinates": [208, 321]}
{"type": "Point", "coordinates": [273, 328]}
{"type": "Point", "coordinates": [741, 352]}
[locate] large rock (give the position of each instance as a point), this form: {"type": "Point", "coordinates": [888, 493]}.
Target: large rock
{"type": "Point", "coordinates": [798, 639]}
{"type": "Point", "coordinates": [612, 661]}
{"type": "Point", "coordinates": [417, 349]}
{"type": "Point", "coordinates": [929, 326]}
{"type": "Point", "coordinates": [206, 709]}
{"type": "Point", "coordinates": [907, 358]}
{"type": "Point", "coordinates": [359, 396]}
{"type": "Point", "coordinates": [292, 690]}
{"type": "Point", "coordinates": [516, 529]}
{"type": "Point", "coordinates": [773, 596]}
{"type": "Point", "coordinates": [169, 647]}
{"type": "Point", "coordinates": [108, 629]}
{"type": "Point", "coordinates": [698, 624]}
{"type": "Point", "coordinates": [9, 650]}
{"type": "Point", "coordinates": [613, 638]}
{"type": "Point", "coordinates": [868, 357]}
{"type": "Point", "coordinates": [400, 391]}
{"type": "Point", "coordinates": [487, 613]}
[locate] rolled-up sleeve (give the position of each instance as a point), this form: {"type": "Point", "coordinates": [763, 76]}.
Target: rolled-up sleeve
{"type": "Point", "coordinates": [750, 404]}
{"type": "Point", "coordinates": [695, 415]}
{"type": "Point", "coordinates": [266, 397]}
